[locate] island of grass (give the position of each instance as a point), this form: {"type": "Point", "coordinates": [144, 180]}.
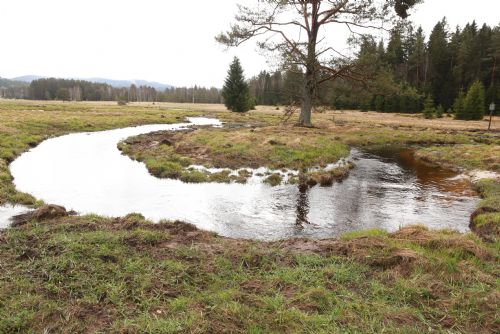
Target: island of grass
{"type": "Point", "coordinates": [286, 152]}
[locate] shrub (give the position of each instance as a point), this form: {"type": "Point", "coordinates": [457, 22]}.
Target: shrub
{"type": "Point", "coordinates": [474, 107]}
{"type": "Point", "coordinates": [439, 111]}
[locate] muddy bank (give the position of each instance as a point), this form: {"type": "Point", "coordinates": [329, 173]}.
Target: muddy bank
{"type": "Point", "coordinates": [45, 212]}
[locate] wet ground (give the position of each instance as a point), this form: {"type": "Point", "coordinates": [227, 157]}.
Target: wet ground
{"type": "Point", "coordinates": [388, 189]}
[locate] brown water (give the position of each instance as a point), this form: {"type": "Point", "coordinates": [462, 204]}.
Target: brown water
{"type": "Point", "coordinates": [85, 172]}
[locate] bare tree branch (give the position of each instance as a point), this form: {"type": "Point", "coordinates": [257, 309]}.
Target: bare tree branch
{"type": "Point", "coordinates": [279, 20]}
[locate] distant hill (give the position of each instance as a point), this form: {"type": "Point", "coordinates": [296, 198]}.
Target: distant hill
{"type": "Point", "coordinates": [8, 83]}
{"type": "Point", "coordinates": [127, 83]}
{"type": "Point", "coordinates": [111, 82]}
{"type": "Point", "coordinates": [28, 78]}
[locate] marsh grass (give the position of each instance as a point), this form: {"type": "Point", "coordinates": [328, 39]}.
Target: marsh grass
{"type": "Point", "coordinates": [91, 274]}
{"type": "Point", "coordinates": [126, 275]}
{"type": "Point", "coordinates": [485, 221]}
{"type": "Point", "coordinates": [477, 156]}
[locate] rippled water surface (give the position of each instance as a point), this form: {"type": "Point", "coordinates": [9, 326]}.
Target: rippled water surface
{"type": "Point", "coordinates": [86, 172]}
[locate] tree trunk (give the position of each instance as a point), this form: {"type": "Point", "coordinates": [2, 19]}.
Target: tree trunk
{"type": "Point", "coordinates": [309, 89]}
{"type": "Point", "coordinates": [307, 103]}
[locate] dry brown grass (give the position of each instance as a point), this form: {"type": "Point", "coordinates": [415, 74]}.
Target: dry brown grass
{"type": "Point", "coordinates": [353, 116]}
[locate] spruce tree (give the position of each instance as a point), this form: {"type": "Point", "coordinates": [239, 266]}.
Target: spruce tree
{"type": "Point", "coordinates": [439, 111]}
{"type": "Point", "coordinates": [429, 109]}
{"type": "Point", "coordinates": [439, 65]}
{"type": "Point", "coordinates": [459, 106]}
{"type": "Point", "coordinates": [475, 102]}
{"type": "Point", "coordinates": [235, 91]}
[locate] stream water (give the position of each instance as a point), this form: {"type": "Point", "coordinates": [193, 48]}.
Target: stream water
{"type": "Point", "coordinates": [86, 172]}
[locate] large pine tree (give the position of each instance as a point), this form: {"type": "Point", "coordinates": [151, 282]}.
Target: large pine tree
{"type": "Point", "coordinates": [235, 91]}
{"type": "Point", "coordinates": [439, 69]}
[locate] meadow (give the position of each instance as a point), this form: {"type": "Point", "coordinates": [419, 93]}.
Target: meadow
{"type": "Point", "coordinates": [91, 274]}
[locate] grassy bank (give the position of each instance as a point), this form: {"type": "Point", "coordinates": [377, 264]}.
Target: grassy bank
{"type": "Point", "coordinates": [90, 274]}
{"type": "Point", "coordinates": [485, 221]}
{"type": "Point", "coordinates": [468, 157]}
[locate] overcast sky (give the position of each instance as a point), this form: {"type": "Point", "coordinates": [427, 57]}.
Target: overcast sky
{"type": "Point", "coordinates": [169, 41]}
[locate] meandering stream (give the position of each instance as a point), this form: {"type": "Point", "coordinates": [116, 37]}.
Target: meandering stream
{"type": "Point", "coordinates": [86, 172]}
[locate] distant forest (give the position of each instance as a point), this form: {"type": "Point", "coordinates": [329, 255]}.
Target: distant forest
{"type": "Point", "coordinates": [402, 72]}
{"type": "Point", "coordinates": [400, 75]}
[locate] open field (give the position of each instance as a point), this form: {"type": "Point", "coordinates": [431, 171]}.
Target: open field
{"type": "Point", "coordinates": [412, 120]}
{"type": "Point", "coordinates": [126, 275]}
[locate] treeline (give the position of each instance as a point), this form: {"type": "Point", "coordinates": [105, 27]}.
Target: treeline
{"type": "Point", "coordinates": [277, 88]}
{"type": "Point", "coordinates": [11, 89]}
{"type": "Point", "coordinates": [441, 67]}
{"type": "Point", "coordinates": [81, 90]}
{"type": "Point", "coordinates": [403, 75]}
{"type": "Point", "coordinates": [191, 95]}
{"type": "Point", "coordinates": [403, 72]}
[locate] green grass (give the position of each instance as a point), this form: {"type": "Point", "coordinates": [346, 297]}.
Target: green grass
{"type": "Point", "coordinates": [490, 191]}
{"type": "Point", "coordinates": [486, 219]}
{"type": "Point", "coordinates": [274, 179]}
{"type": "Point", "coordinates": [94, 274]}
{"type": "Point", "coordinates": [478, 156]}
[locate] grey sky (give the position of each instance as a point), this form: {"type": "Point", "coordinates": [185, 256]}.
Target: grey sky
{"type": "Point", "coordinates": [161, 40]}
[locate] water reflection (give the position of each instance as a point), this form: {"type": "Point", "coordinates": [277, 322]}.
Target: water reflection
{"type": "Point", "coordinates": [425, 175]}
{"type": "Point", "coordinates": [302, 207]}
{"type": "Point", "coordinates": [85, 172]}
